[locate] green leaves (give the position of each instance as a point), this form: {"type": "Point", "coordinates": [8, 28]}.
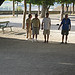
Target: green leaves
{"type": "Point", "coordinates": [65, 1]}
{"type": "Point", "coordinates": [39, 2]}
{"type": "Point", "coordinates": [16, 0]}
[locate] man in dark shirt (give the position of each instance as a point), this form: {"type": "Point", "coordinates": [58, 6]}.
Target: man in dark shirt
{"type": "Point", "coordinates": [66, 27]}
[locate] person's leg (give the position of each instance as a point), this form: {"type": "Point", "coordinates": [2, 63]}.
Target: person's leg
{"type": "Point", "coordinates": [45, 38]}
{"type": "Point", "coordinates": [36, 37]}
{"type": "Point", "coordinates": [36, 32]}
{"type": "Point", "coordinates": [67, 32]}
{"type": "Point", "coordinates": [62, 38]}
{"type": "Point", "coordinates": [33, 38]}
{"type": "Point", "coordinates": [27, 33]}
{"type": "Point", "coordinates": [33, 35]}
{"type": "Point", "coordinates": [30, 33]}
{"type": "Point", "coordinates": [48, 32]}
{"type": "Point", "coordinates": [44, 33]}
{"type": "Point", "coordinates": [66, 39]}
{"type": "Point", "coordinates": [63, 32]}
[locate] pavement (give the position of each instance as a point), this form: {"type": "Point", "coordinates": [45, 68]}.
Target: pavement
{"type": "Point", "coordinates": [22, 57]}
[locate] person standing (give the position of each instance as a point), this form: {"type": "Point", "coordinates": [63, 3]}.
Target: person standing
{"type": "Point", "coordinates": [28, 25]}
{"type": "Point", "coordinates": [66, 27]}
{"type": "Point", "coordinates": [35, 26]}
{"type": "Point", "coordinates": [46, 23]}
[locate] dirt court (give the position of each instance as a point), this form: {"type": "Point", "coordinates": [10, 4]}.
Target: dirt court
{"type": "Point", "coordinates": [21, 57]}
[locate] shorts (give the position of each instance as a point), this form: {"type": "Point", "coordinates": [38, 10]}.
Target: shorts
{"type": "Point", "coordinates": [65, 32]}
{"type": "Point", "coordinates": [29, 30]}
{"type": "Point", "coordinates": [35, 30]}
{"type": "Point", "coordinates": [46, 32]}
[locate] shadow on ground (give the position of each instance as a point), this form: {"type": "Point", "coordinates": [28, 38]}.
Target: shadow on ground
{"type": "Point", "coordinates": [21, 57]}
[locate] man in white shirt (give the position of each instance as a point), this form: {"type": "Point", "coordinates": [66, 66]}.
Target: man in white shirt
{"type": "Point", "coordinates": [46, 23]}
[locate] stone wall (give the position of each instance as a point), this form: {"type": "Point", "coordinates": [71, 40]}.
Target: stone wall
{"type": "Point", "coordinates": [21, 12]}
{"type": "Point", "coordinates": [33, 12]}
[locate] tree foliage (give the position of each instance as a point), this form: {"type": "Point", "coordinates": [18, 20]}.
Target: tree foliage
{"type": "Point", "coordinates": [16, 0]}
{"type": "Point", "coordinates": [40, 2]}
{"type": "Point", "coordinates": [65, 1]}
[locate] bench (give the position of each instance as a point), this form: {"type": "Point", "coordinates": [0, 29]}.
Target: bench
{"type": "Point", "coordinates": [4, 24]}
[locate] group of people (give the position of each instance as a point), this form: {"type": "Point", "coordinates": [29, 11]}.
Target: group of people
{"type": "Point", "coordinates": [33, 27]}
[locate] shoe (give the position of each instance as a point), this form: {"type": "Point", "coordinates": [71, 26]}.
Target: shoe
{"type": "Point", "coordinates": [44, 41]}
{"type": "Point", "coordinates": [35, 39]}
{"type": "Point", "coordinates": [27, 39]}
{"type": "Point", "coordinates": [62, 43]}
{"type": "Point", "coordinates": [32, 40]}
{"type": "Point", "coordinates": [47, 41]}
{"type": "Point", "coordinates": [65, 42]}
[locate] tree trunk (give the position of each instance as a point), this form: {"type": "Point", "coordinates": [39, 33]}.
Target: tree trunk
{"type": "Point", "coordinates": [73, 7]}
{"type": "Point", "coordinates": [38, 9]}
{"type": "Point", "coordinates": [1, 2]}
{"type": "Point", "coordinates": [62, 11]}
{"type": "Point", "coordinates": [70, 9]}
{"type": "Point", "coordinates": [67, 6]}
{"type": "Point", "coordinates": [29, 8]}
{"type": "Point", "coordinates": [44, 8]}
{"type": "Point", "coordinates": [24, 14]}
{"type": "Point", "coordinates": [17, 8]}
{"type": "Point", "coordinates": [48, 9]}
{"type": "Point", "coordinates": [13, 8]}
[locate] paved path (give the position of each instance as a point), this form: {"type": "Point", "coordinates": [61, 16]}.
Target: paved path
{"type": "Point", "coordinates": [20, 57]}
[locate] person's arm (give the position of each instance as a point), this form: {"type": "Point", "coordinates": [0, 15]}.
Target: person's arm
{"type": "Point", "coordinates": [39, 24]}
{"type": "Point", "coordinates": [50, 22]}
{"type": "Point", "coordinates": [31, 25]}
{"type": "Point", "coordinates": [42, 24]}
{"type": "Point", "coordinates": [26, 25]}
{"type": "Point", "coordinates": [60, 25]}
{"type": "Point", "coordinates": [70, 26]}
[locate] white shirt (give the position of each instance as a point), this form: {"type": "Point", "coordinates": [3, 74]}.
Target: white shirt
{"type": "Point", "coordinates": [47, 23]}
